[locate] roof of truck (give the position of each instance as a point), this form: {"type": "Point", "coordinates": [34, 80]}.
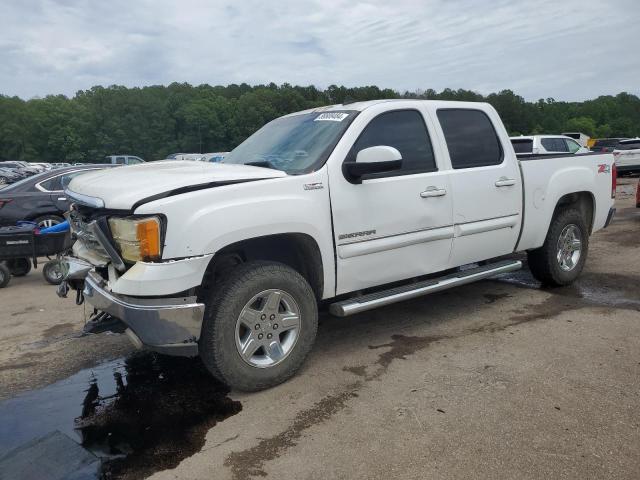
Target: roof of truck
{"type": "Point", "coordinates": [360, 106]}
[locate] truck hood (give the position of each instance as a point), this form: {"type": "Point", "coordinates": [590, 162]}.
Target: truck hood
{"type": "Point", "coordinates": [125, 188]}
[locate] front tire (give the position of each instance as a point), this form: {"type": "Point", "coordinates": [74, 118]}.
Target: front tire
{"type": "Point", "coordinates": [562, 256]}
{"type": "Point", "coordinates": [259, 326]}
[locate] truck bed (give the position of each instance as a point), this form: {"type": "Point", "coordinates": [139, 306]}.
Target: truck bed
{"type": "Point", "coordinates": [547, 178]}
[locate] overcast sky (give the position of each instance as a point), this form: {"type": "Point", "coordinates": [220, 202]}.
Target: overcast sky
{"type": "Point", "coordinates": [566, 49]}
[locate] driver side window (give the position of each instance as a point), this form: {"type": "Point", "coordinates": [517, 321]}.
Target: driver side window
{"type": "Point", "coordinates": [404, 130]}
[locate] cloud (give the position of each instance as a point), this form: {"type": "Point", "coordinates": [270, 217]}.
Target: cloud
{"type": "Point", "coordinates": [566, 50]}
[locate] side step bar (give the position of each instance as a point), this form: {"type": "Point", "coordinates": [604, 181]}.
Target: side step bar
{"type": "Point", "coordinates": [405, 292]}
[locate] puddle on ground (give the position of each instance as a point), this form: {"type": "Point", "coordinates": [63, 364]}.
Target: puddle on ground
{"type": "Point", "coordinates": [603, 289]}
{"type": "Point", "coordinates": [139, 415]}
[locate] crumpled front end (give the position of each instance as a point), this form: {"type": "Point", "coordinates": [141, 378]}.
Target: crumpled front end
{"type": "Point", "coordinates": [155, 300]}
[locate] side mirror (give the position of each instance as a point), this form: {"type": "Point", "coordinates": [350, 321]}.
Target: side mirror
{"type": "Point", "coordinates": [378, 159]}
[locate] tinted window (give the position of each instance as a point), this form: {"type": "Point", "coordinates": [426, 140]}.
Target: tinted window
{"type": "Point", "coordinates": [120, 160]}
{"type": "Point", "coordinates": [573, 146]}
{"type": "Point", "coordinates": [471, 139]}
{"type": "Point", "coordinates": [628, 145]}
{"type": "Point", "coordinates": [404, 130]}
{"type": "Point", "coordinates": [52, 185]}
{"type": "Point", "coordinates": [522, 146]}
{"type": "Point", "coordinates": [554, 145]}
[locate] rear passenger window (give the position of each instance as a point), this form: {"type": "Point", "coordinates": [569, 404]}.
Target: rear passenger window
{"type": "Point", "coordinates": [471, 139]}
{"type": "Point", "coordinates": [573, 146]}
{"type": "Point", "coordinates": [554, 145]}
{"type": "Point", "coordinates": [404, 130]}
{"type": "Point", "coordinates": [52, 185]}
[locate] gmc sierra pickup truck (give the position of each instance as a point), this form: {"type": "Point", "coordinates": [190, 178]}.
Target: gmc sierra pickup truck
{"type": "Point", "coordinates": [350, 206]}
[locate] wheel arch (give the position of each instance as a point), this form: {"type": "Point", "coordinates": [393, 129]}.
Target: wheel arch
{"type": "Point", "coordinates": [583, 201]}
{"type": "Point", "coordinates": [297, 250]}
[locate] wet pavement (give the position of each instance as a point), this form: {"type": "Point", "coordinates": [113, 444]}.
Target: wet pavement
{"type": "Point", "coordinates": [138, 415]}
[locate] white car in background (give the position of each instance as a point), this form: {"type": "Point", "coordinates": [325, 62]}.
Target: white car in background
{"type": "Point", "coordinates": [627, 155]}
{"type": "Point", "coordinates": [546, 144]}
{"type": "Point", "coordinates": [581, 138]}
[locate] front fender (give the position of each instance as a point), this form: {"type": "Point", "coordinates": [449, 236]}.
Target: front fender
{"type": "Point", "coordinates": [205, 221]}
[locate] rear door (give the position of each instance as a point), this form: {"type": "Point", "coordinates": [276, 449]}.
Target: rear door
{"type": "Point", "coordinates": [486, 185]}
{"type": "Point", "coordinates": [393, 225]}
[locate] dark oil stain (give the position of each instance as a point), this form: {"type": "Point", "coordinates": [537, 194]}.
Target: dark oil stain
{"type": "Point", "coordinates": [59, 330]}
{"type": "Point", "coordinates": [494, 297]}
{"type": "Point", "coordinates": [17, 366]}
{"type": "Point", "coordinates": [401, 347]}
{"type": "Point", "coordinates": [250, 462]}
{"type": "Point", "coordinates": [27, 310]}
{"type": "Point", "coordinates": [138, 415]}
{"type": "Point", "coordinates": [359, 370]}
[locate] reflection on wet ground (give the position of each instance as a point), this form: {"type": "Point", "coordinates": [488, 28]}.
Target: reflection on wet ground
{"type": "Point", "coordinates": [139, 415]}
{"type": "Point", "coordinates": [599, 289]}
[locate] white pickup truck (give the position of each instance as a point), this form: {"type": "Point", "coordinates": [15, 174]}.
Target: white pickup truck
{"type": "Point", "coordinates": [350, 206]}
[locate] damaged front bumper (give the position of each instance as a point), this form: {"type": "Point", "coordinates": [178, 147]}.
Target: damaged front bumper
{"type": "Point", "coordinates": [169, 325]}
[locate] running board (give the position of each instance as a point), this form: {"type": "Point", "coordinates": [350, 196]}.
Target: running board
{"type": "Point", "coordinates": [405, 292]}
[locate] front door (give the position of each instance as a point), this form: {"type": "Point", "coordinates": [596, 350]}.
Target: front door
{"type": "Point", "coordinates": [394, 225]}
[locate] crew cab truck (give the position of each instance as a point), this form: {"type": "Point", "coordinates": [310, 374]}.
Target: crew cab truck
{"type": "Point", "coordinates": [350, 206]}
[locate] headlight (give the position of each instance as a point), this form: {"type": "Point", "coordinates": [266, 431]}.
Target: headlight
{"type": "Point", "coordinates": [137, 238]}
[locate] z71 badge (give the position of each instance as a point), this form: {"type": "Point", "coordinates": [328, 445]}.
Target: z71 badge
{"type": "Point", "coordinates": [604, 168]}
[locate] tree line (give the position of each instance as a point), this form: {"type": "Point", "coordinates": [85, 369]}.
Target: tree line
{"type": "Point", "coordinates": [154, 121]}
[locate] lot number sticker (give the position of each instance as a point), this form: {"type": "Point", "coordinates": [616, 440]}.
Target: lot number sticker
{"type": "Point", "coordinates": [331, 117]}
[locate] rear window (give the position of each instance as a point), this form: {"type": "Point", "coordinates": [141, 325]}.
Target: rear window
{"type": "Point", "coordinates": [628, 145]}
{"type": "Point", "coordinates": [471, 139]}
{"type": "Point", "coordinates": [523, 146]}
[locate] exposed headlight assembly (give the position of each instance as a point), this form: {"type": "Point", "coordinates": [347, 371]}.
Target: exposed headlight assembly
{"type": "Point", "coordinates": [138, 238]}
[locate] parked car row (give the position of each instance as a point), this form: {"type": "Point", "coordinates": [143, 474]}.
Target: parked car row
{"type": "Point", "coordinates": [14, 171]}
{"type": "Point", "coordinates": [40, 198]}
{"type": "Point", "coordinates": [626, 151]}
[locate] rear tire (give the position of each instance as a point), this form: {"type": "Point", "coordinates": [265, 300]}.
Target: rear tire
{"type": "Point", "coordinates": [244, 311]}
{"type": "Point", "coordinates": [52, 272]}
{"type": "Point", "coordinates": [562, 256]}
{"type": "Point", "coordinates": [5, 275]}
{"type": "Point", "coordinates": [19, 267]}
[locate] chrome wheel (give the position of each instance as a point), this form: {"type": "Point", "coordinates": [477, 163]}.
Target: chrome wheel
{"type": "Point", "coordinates": [268, 328]}
{"type": "Point", "coordinates": [569, 247]}
{"type": "Point", "coordinates": [48, 222]}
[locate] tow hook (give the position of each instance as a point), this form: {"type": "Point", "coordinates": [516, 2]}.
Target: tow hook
{"type": "Point", "coordinates": [63, 289]}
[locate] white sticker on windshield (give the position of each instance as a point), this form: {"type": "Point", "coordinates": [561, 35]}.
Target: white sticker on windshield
{"type": "Point", "coordinates": [331, 117]}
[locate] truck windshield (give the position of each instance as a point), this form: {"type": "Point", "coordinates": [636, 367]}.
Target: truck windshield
{"type": "Point", "coordinates": [296, 144]}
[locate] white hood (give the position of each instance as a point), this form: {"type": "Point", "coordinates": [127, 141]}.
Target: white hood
{"type": "Point", "coordinates": [122, 187]}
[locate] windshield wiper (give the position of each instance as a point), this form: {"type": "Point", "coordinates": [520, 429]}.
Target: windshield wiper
{"type": "Point", "coordinates": [262, 163]}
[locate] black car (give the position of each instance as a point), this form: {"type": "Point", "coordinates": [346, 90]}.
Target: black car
{"type": "Point", "coordinates": [40, 198]}
{"type": "Point", "coordinates": [606, 145]}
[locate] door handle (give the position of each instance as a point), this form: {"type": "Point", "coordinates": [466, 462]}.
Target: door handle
{"type": "Point", "coordinates": [433, 192]}
{"type": "Point", "coordinates": [505, 182]}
